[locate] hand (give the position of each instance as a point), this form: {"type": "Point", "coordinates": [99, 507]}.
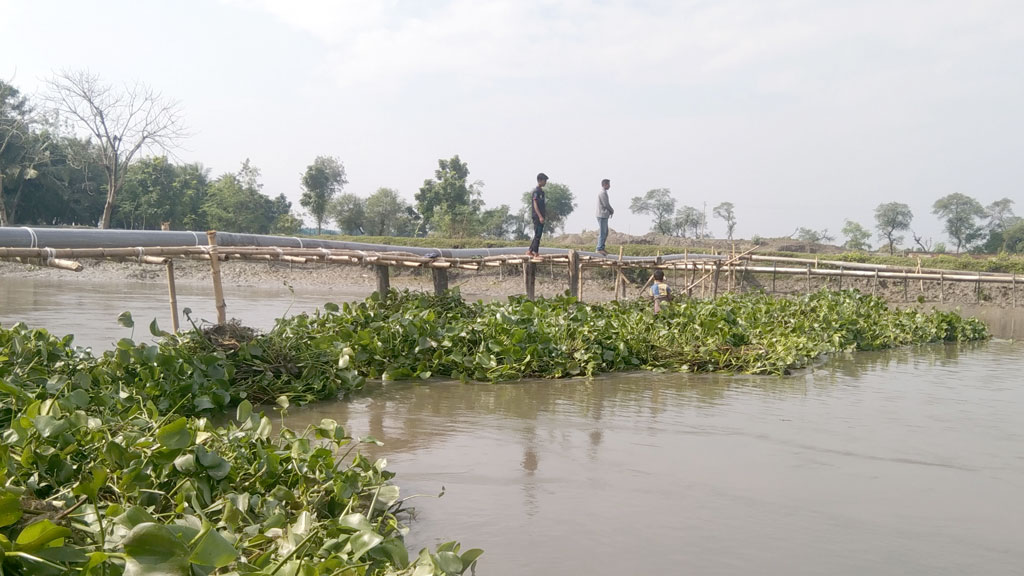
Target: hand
{"type": "Point", "coordinates": [540, 219]}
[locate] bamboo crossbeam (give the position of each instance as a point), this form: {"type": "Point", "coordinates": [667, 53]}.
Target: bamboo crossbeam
{"type": "Point", "coordinates": [855, 265]}
{"type": "Point", "coordinates": [884, 275]}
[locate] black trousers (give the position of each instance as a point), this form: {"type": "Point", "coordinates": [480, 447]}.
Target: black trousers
{"type": "Point", "coordinates": [538, 229]}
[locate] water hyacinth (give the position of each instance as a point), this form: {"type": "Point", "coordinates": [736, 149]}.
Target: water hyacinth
{"type": "Point", "coordinates": [109, 464]}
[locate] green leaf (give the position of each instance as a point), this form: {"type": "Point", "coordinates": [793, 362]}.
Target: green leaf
{"type": "Point", "coordinates": [470, 556]}
{"type": "Point", "coordinates": [357, 521]}
{"type": "Point", "coordinates": [243, 411]}
{"type": "Point", "coordinates": [90, 484]}
{"type": "Point", "coordinates": [213, 550]}
{"type": "Point", "coordinates": [125, 319]}
{"type": "Point", "coordinates": [48, 426]}
{"type": "Point", "coordinates": [63, 554]}
{"type": "Point", "coordinates": [395, 551]}
{"type": "Point", "coordinates": [175, 435]}
{"type": "Point", "coordinates": [153, 550]}
{"type": "Point", "coordinates": [10, 509]}
{"type": "Point", "coordinates": [39, 534]}
{"type": "Point", "coordinates": [155, 330]}
{"type": "Point", "coordinates": [363, 541]}
{"type": "Point", "coordinates": [449, 562]}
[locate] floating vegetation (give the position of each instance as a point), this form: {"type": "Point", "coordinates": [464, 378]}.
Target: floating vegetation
{"type": "Point", "coordinates": [109, 465]}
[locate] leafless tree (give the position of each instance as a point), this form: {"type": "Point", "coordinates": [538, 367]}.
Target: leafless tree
{"type": "Point", "coordinates": [924, 245]}
{"type": "Point", "coordinates": [123, 121]}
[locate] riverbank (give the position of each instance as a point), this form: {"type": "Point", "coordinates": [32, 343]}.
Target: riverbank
{"type": "Point", "coordinates": [499, 283]}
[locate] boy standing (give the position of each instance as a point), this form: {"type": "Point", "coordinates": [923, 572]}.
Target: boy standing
{"type": "Point", "coordinates": [538, 210]}
{"type": "Point", "coordinates": [660, 290]}
{"type": "Point", "coordinates": [604, 212]}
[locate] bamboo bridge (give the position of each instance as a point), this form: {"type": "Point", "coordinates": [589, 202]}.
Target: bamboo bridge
{"type": "Point", "coordinates": [65, 248]}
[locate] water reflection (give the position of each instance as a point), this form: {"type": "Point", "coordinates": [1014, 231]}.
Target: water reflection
{"type": "Point", "coordinates": [904, 461]}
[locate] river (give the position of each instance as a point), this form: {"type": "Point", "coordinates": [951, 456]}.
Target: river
{"type": "Point", "coordinates": [901, 462]}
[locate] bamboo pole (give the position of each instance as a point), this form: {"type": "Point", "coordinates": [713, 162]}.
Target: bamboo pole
{"type": "Point", "coordinates": [172, 294]}
{"type": "Point", "coordinates": [383, 279]}
{"type": "Point", "coordinates": [218, 288]}
{"type": "Point", "coordinates": [574, 274]}
{"type": "Point", "coordinates": [530, 278]}
{"type": "Point", "coordinates": [440, 277]}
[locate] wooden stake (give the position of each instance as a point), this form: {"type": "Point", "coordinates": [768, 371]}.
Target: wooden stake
{"type": "Point", "coordinates": [218, 289]}
{"type": "Point", "coordinates": [530, 278]}
{"type": "Point", "coordinates": [718, 271]}
{"type": "Point", "coordinates": [383, 279]}
{"type": "Point", "coordinates": [574, 274]}
{"type": "Point", "coordinates": [942, 288]}
{"type": "Point", "coordinates": [440, 280]}
{"type": "Point", "coordinates": [172, 292]}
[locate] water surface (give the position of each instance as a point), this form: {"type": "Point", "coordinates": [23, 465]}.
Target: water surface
{"type": "Point", "coordinates": [905, 462]}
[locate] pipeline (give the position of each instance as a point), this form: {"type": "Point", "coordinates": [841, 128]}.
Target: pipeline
{"type": "Point", "coordinates": [26, 237]}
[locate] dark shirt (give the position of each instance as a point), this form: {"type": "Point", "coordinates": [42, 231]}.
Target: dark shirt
{"type": "Point", "coordinates": [538, 197]}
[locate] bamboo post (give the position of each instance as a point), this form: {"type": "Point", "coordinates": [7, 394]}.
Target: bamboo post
{"type": "Point", "coordinates": [218, 288]}
{"type": "Point", "coordinates": [574, 274]}
{"type": "Point", "coordinates": [905, 299]}
{"type": "Point", "coordinates": [875, 284]}
{"type": "Point", "coordinates": [774, 267]}
{"type": "Point", "coordinates": [942, 288]}
{"type": "Point", "coordinates": [718, 271]}
{"type": "Point", "coordinates": [693, 280]}
{"type": "Point", "coordinates": [440, 276]}
{"type": "Point", "coordinates": [977, 290]}
{"type": "Point", "coordinates": [842, 272]}
{"type": "Point", "coordinates": [530, 278]}
{"type": "Point", "coordinates": [383, 279]}
{"type": "Point", "coordinates": [808, 289]}
{"type": "Point", "coordinates": [619, 278]}
{"type": "Point", "coordinates": [1013, 291]}
{"type": "Point", "coordinates": [172, 294]}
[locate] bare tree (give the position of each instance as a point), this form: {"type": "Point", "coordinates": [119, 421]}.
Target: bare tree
{"type": "Point", "coordinates": [124, 121]}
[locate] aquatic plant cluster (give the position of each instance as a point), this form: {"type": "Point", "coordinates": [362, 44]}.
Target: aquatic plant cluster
{"type": "Point", "coordinates": [410, 335]}
{"type": "Point", "coordinates": [97, 479]}
{"type": "Point", "coordinates": [110, 464]}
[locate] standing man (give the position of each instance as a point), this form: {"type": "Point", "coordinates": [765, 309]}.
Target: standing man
{"type": "Point", "coordinates": [604, 212]}
{"type": "Point", "coordinates": [538, 211]}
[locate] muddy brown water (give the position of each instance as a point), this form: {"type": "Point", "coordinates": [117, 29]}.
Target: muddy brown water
{"type": "Point", "coordinates": [901, 462]}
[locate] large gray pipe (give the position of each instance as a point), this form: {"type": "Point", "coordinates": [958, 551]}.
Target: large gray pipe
{"type": "Point", "coordinates": [26, 237]}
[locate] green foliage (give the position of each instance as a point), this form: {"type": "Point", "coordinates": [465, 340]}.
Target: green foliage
{"type": "Point", "coordinates": [658, 204]}
{"type": "Point", "coordinates": [105, 474]}
{"type": "Point", "coordinates": [324, 178]}
{"type": "Point", "coordinates": [157, 191]}
{"type": "Point", "coordinates": [726, 212]}
{"type": "Point", "coordinates": [814, 236]}
{"type": "Point", "coordinates": [961, 213]}
{"type": "Point", "coordinates": [689, 220]}
{"type": "Point", "coordinates": [890, 218]}
{"type": "Point", "coordinates": [235, 203]}
{"type": "Point", "coordinates": [349, 212]}
{"type": "Point", "coordinates": [447, 203]}
{"type": "Point", "coordinates": [388, 214]}
{"type": "Point", "coordinates": [857, 236]}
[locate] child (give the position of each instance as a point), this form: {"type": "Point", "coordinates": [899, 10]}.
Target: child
{"type": "Point", "coordinates": [660, 291]}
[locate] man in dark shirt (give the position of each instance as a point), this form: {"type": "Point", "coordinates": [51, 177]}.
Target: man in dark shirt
{"type": "Point", "coordinates": [538, 212]}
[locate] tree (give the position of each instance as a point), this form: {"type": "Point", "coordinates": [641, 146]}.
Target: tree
{"type": "Point", "coordinates": [689, 219]}
{"type": "Point", "coordinates": [725, 212]}
{"type": "Point", "coordinates": [324, 178]}
{"type": "Point", "coordinates": [349, 212]}
{"type": "Point", "coordinates": [813, 236]}
{"type": "Point", "coordinates": [447, 204]}
{"type": "Point", "coordinates": [387, 214]}
{"type": "Point", "coordinates": [856, 236]}
{"type": "Point", "coordinates": [961, 213]}
{"type": "Point", "coordinates": [890, 218]}
{"type": "Point", "coordinates": [501, 223]}
{"type": "Point", "coordinates": [150, 195]}
{"type": "Point", "coordinates": [24, 149]}
{"type": "Point", "coordinates": [559, 202]}
{"type": "Point", "coordinates": [658, 204]}
{"type": "Point", "coordinates": [1000, 219]}
{"type": "Point", "coordinates": [123, 122]}
{"type": "Point", "coordinates": [234, 202]}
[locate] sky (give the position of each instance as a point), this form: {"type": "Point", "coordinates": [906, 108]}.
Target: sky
{"type": "Point", "coordinates": [802, 113]}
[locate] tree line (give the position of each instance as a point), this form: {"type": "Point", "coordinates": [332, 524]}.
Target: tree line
{"type": "Point", "coordinates": [51, 176]}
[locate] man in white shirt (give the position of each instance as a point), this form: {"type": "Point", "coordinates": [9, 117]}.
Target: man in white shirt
{"type": "Point", "coordinates": [604, 212]}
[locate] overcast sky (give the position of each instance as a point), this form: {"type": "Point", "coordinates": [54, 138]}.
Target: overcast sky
{"type": "Point", "coordinates": [802, 113]}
